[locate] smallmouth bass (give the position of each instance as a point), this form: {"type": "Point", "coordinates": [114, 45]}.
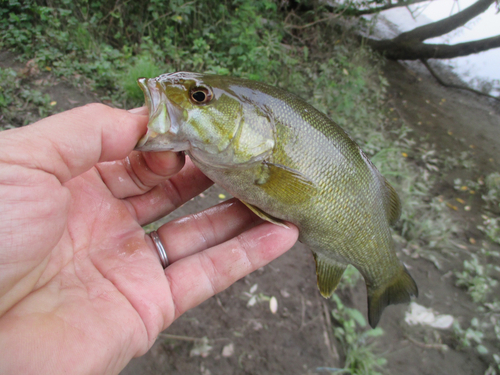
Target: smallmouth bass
{"type": "Point", "coordinates": [287, 162]}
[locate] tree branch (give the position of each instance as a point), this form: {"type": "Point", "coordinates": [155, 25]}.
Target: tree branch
{"type": "Point", "coordinates": [411, 50]}
{"type": "Point", "coordinates": [390, 5]}
{"type": "Point", "coordinates": [460, 87]}
{"type": "Point", "coordinates": [446, 25]}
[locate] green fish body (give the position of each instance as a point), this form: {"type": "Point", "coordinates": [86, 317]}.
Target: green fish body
{"type": "Point", "coordinates": [287, 162]}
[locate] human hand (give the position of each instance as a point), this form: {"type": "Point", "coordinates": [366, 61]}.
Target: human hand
{"type": "Point", "coordinates": [81, 285]}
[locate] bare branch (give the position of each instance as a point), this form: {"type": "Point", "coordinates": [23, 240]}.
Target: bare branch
{"type": "Point", "coordinates": [446, 25]}
{"type": "Point", "coordinates": [411, 50]}
{"type": "Point", "coordinates": [390, 5]}
{"type": "Point", "coordinates": [436, 76]}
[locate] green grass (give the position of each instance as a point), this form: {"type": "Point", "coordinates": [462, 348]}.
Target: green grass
{"type": "Point", "coordinates": [143, 66]}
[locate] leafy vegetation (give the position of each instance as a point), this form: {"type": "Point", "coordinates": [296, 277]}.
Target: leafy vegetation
{"type": "Point", "coordinates": [476, 278]}
{"type": "Point", "coordinates": [360, 357]}
{"type": "Point", "coordinates": [17, 96]}
{"type": "Point", "coordinates": [108, 44]}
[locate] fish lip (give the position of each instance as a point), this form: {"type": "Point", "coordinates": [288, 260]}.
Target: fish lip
{"type": "Point", "coordinates": [148, 90]}
{"type": "Point", "coordinates": [159, 119]}
{"type": "Point", "coordinates": [165, 118]}
{"type": "Point", "coordinates": [143, 84]}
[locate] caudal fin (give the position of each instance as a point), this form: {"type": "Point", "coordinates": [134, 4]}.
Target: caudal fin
{"type": "Point", "coordinates": [398, 290]}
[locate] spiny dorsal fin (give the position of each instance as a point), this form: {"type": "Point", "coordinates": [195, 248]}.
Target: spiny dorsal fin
{"type": "Point", "coordinates": [398, 290]}
{"type": "Point", "coordinates": [328, 272]}
{"type": "Point", "coordinates": [393, 204]}
{"type": "Point", "coordinates": [264, 216]}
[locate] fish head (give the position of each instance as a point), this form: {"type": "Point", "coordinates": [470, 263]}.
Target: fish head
{"type": "Point", "coordinates": [208, 116]}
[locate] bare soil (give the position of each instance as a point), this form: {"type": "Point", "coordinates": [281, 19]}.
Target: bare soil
{"type": "Point", "coordinates": [298, 339]}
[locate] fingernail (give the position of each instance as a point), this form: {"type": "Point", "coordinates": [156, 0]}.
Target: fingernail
{"type": "Point", "coordinates": [139, 110]}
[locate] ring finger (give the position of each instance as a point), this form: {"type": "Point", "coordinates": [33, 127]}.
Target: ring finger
{"type": "Point", "coordinates": [194, 233]}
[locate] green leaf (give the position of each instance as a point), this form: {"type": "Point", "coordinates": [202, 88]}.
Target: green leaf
{"type": "Point", "coordinates": [374, 332]}
{"type": "Point", "coordinates": [358, 317]}
{"type": "Point", "coordinates": [482, 349]}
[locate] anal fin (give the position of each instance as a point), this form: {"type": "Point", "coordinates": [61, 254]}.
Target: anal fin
{"type": "Point", "coordinates": [328, 273]}
{"type": "Point", "coordinates": [264, 216]}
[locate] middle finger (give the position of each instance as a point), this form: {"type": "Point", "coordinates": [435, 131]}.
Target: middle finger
{"type": "Point", "coordinates": [169, 195]}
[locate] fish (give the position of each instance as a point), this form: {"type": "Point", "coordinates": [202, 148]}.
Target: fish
{"type": "Point", "coordinates": [287, 162]}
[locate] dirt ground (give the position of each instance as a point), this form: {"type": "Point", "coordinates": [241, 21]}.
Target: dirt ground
{"type": "Point", "coordinates": [298, 338]}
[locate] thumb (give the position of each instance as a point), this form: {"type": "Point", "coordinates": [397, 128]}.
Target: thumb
{"type": "Point", "coordinates": [72, 142]}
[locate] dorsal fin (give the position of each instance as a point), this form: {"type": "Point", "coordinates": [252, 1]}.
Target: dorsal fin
{"type": "Point", "coordinates": [391, 198]}
{"type": "Point", "coordinates": [393, 204]}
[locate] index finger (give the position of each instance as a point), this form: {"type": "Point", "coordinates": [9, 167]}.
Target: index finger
{"type": "Point", "coordinates": [71, 142]}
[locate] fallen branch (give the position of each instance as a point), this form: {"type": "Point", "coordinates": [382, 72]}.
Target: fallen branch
{"type": "Point", "coordinates": [442, 347]}
{"type": "Point", "coordinates": [450, 85]}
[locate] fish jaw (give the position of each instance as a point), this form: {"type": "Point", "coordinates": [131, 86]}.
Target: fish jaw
{"type": "Point", "coordinates": [165, 119]}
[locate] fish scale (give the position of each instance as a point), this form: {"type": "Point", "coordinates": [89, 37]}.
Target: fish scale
{"type": "Point", "coordinates": [287, 162]}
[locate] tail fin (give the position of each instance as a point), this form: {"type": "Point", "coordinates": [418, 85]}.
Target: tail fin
{"type": "Point", "coordinates": [398, 290]}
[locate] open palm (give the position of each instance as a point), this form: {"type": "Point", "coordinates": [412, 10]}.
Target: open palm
{"type": "Point", "coordinates": [81, 286]}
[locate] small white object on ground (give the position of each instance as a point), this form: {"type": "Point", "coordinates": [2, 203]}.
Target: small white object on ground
{"type": "Point", "coordinates": [418, 314]}
{"type": "Point", "coordinates": [228, 350]}
{"type": "Point", "coordinates": [273, 304]}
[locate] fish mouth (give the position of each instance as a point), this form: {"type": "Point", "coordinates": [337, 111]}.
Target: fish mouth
{"type": "Point", "coordinates": [164, 119]}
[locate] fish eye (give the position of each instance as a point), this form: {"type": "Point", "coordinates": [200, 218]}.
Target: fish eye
{"type": "Point", "coordinates": [201, 95]}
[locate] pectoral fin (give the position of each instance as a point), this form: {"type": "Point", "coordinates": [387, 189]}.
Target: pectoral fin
{"type": "Point", "coordinates": [257, 211]}
{"type": "Point", "coordinates": [282, 182]}
{"type": "Point", "coordinates": [328, 272]}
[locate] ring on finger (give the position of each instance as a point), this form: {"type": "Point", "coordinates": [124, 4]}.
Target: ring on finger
{"type": "Point", "coordinates": [160, 249]}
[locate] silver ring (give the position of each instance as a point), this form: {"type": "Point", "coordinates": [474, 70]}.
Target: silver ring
{"type": "Point", "coordinates": [160, 249]}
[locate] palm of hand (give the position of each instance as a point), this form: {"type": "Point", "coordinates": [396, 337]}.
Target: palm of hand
{"type": "Point", "coordinates": [78, 275]}
{"type": "Point", "coordinates": [97, 279]}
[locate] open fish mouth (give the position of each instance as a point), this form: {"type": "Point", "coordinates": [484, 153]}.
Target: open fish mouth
{"type": "Point", "coordinates": [164, 119]}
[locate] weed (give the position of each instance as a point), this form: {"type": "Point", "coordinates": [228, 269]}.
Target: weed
{"type": "Point", "coordinates": [462, 160]}
{"type": "Point", "coordinates": [360, 357]}
{"type": "Point", "coordinates": [491, 227]}
{"type": "Point", "coordinates": [468, 185]}
{"type": "Point", "coordinates": [472, 336]}
{"type": "Point", "coordinates": [492, 195]}
{"type": "Point", "coordinates": [20, 103]}
{"type": "Point", "coordinates": [475, 277]}
{"type": "Point", "coordinates": [350, 278]}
